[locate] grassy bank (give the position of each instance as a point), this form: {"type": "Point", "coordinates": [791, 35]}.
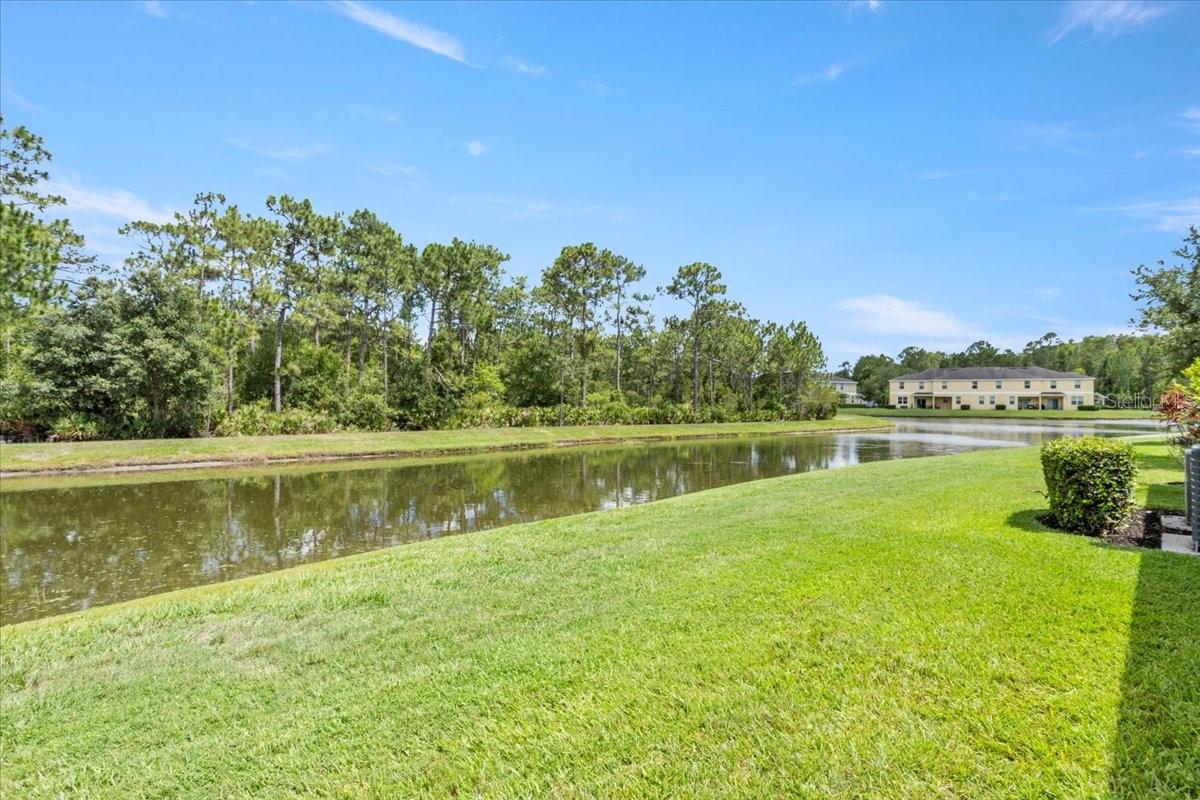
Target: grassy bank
{"type": "Point", "coordinates": [1108, 413]}
{"type": "Point", "coordinates": [16, 458]}
{"type": "Point", "coordinates": [897, 629]}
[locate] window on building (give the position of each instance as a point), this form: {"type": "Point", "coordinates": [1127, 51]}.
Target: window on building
{"type": "Point", "coordinates": [945, 385]}
{"type": "Point", "coordinates": [1026, 384]}
{"type": "Point", "coordinates": [1053, 384]}
{"type": "Point", "coordinates": [1076, 400]}
{"type": "Point", "coordinates": [999, 384]}
{"type": "Point", "coordinates": [980, 399]}
{"type": "Point", "coordinates": [903, 400]}
{"type": "Point", "coordinates": [957, 400]}
{"type": "Point", "coordinates": [992, 400]}
{"type": "Point", "coordinates": [921, 385]}
{"type": "Point", "coordinates": [1078, 384]}
{"type": "Point", "coordinates": [901, 384]}
{"type": "Point", "coordinates": [974, 384]}
{"type": "Point", "coordinates": [1012, 400]}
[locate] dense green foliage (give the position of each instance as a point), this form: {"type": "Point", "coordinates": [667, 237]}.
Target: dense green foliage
{"type": "Point", "coordinates": [294, 320]}
{"type": "Point", "coordinates": [129, 357]}
{"type": "Point", "coordinates": [1089, 483]}
{"type": "Point", "coordinates": [1171, 301]}
{"type": "Point", "coordinates": [34, 249]}
{"type": "Point", "coordinates": [901, 629]}
{"type": "Point", "coordinates": [1129, 369]}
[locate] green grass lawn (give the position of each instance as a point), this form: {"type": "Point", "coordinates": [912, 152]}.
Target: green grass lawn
{"type": "Point", "coordinates": [106, 455]}
{"type": "Point", "coordinates": [1104, 413]}
{"type": "Point", "coordinates": [901, 629]}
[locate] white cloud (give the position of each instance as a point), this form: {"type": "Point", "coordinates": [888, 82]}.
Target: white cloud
{"type": "Point", "coordinates": [516, 207]}
{"type": "Point", "coordinates": [393, 170]}
{"type": "Point", "coordinates": [522, 67]}
{"type": "Point", "coordinates": [1192, 116]}
{"type": "Point", "coordinates": [933, 174]}
{"type": "Point", "coordinates": [154, 8]}
{"type": "Point", "coordinates": [1192, 152]}
{"type": "Point", "coordinates": [885, 314]}
{"type": "Point", "coordinates": [115, 203]}
{"type": "Point", "coordinates": [1169, 215]}
{"type": "Point", "coordinates": [476, 148]}
{"type": "Point", "coordinates": [430, 39]}
{"type": "Point", "coordinates": [830, 73]}
{"type": "Point", "coordinates": [389, 118]}
{"type": "Point", "coordinates": [12, 94]}
{"type": "Point", "coordinates": [1109, 18]}
{"type": "Point", "coordinates": [1046, 294]}
{"type": "Point", "coordinates": [596, 86]}
{"type": "Point", "coordinates": [854, 7]}
{"type": "Point", "coordinates": [273, 172]}
{"type": "Point", "coordinates": [1062, 136]}
{"type": "Point", "coordinates": [287, 153]}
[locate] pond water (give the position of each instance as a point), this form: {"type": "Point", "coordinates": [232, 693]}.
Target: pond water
{"type": "Point", "coordinates": [70, 543]}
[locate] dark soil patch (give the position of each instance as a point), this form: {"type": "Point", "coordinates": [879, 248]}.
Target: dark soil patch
{"type": "Point", "coordinates": [1143, 528]}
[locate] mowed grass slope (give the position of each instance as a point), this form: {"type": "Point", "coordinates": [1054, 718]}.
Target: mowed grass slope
{"type": "Point", "coordinates": [16, 458]}
{"type": "Point", "coordinates": [901, 629]}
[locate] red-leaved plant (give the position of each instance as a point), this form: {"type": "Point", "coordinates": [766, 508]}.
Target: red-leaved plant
{"type": "Point", "coordinates": [1181, 411]}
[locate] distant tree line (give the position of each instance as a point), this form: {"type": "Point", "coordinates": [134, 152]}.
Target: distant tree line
{"type": "Point", "coordinates": [230, 321]}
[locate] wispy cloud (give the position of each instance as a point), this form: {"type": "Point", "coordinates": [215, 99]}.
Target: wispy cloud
{"type": "Point", "coordinates": [893, 316]}
{"type": "Point", "coordinates": [476, 148]}
{"type": "Point", "coordinates": [114, 203]}
{"type": "Point", "coordinates": [595, 86]}
{"type": "Point", "coordinates": [856, 7]}
{"type": "Point", "coordinates": [520, 66]}
{"type": "Point", "coordinates": [12, 94]}
{"type": "Point", "coordinates": [830, 73]}
{"type": "Point", "coordinates": [154, 8]}
{"type": "Point", "coordinates": [388, 170]}
{"type": "Point", "coordinates": [1192, 117]}
{"type": "Point", "coordinates": [1109, 18]}
{"type": "Point", "coordinates": [286, 153]}
{"type": "Point", "coordinates": [1046, 294]}
{"type": "Point", "coordinates": [273, 172]}
{"type": "Point", "coordinates": [1167, 215]}
{"type": "Point", "coordinates": [933, 174]}
{"type": "Point", "coordinates": [383, 115]}
{"type": "Point", "coordinates": [417, 35]}
{"type": "Point", "coordinates": [512, 206]}
{"type": "Point", "coordinates": [1062, 136]}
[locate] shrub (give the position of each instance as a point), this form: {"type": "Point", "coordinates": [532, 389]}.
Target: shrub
{"type": "Point", "coordinates": [965, 407]}
{"type": "Point", "coordinates": [1001, 407]}
{"type": "Point", "coordinates": [74, 428]}
{"type": "Point", "coordinates": [364, 411]}
{"type": "Point", "coordinates": [1089, 483]}
{"type": "Point", "coordinates": [256, 419]}
{"type": "Point", "coordinates": [1088, 408]}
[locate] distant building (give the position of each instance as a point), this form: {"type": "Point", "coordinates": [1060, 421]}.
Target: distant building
{"type": "Point", "coordinates": [847, 390]}
{"type": "Point", "coordinates": [989, 387]}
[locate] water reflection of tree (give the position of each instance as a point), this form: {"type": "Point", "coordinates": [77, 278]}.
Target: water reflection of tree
{"type": "Point", "coordinates": [68, 548]}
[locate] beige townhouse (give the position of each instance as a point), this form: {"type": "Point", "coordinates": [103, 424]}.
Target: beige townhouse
{"type": "Point", "coordinates": [847, 390]}
{"type": "Point", "coordinates": [993, 388]}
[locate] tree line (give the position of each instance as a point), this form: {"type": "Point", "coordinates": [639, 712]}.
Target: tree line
{"type": "Point", "coordinates": [225, 320]}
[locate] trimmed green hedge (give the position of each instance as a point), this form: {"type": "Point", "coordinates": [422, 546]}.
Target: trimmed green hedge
{"type": "Point", "coordinates": [1089, 482]}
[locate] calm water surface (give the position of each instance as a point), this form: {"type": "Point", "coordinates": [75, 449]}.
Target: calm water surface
{"type": "Point", "coordinates": [72, 543]}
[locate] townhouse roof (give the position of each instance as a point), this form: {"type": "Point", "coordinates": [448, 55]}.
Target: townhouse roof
{"type": "Point", "coordinates": [988, 374]}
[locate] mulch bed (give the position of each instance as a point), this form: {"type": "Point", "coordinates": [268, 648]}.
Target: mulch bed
{"type": "Point", "coordinates": [1143, 529]}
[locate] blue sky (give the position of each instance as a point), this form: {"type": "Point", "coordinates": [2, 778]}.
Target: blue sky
{"type": "Point", "coordinates": [892, 173]}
